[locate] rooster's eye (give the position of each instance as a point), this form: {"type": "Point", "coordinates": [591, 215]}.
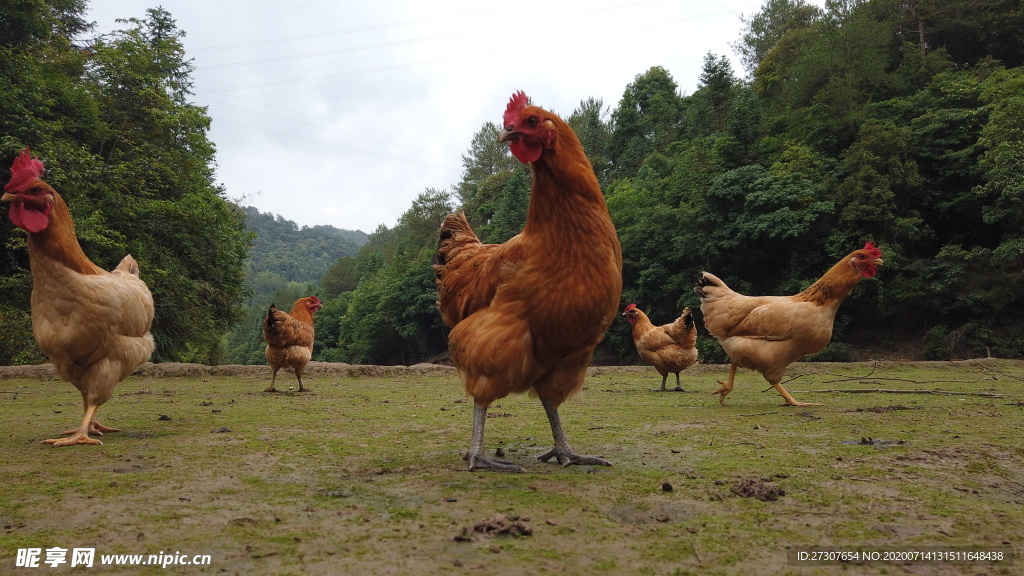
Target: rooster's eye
{"type": "Point", "coordinates": [533, 121]}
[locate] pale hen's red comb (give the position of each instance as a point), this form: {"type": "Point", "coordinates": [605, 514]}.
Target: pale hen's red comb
{"type": "Point", "coordinates": [515, 105]}
{"type": "Point", "coordinates": [629, 307]}
{"type": "Point", "coordinates": [24, 171]}
{"type": "Point", "coordinates": [872, 249]}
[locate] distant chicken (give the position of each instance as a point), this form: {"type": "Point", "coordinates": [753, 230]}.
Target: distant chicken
{"type": "Point", "coordinates": [289, 338]}
{"type": "Point", "coordinates": [526, 315]}
{"type": "Point", "coordinates": [768, 333]}
{"type": "Point", "coordinates": [670, 348]}
{"type": "Point", "coordinates": [92, 324]}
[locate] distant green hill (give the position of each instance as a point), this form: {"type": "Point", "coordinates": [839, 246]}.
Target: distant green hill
{"type": "Point", "coordinates": [297, 254]}
{"type": "Point", "coordinates": [286, 263]}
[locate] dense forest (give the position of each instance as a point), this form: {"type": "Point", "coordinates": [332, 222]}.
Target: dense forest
{"type": "Point", "coordinates": [895, 121]}
{"type": "Point", "coordinates": [129, 153]}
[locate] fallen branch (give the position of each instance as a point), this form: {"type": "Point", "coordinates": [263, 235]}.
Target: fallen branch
{"type": "Point", "coordinates": [758, 414]}
{"type": "Point", "coordinates": [861, 378]}
{"type": "Point", "coordinates": [890, 391]}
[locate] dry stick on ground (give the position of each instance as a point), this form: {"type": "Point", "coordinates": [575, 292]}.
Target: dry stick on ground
{"type": "Point", "coordinates": [869, 378]}
{"type": "Point", "coordinates": [888, 391]}
{"type": "Point", "coordinates": [985, 368]}
{"type": "Point", "coordinates": [758, 414]}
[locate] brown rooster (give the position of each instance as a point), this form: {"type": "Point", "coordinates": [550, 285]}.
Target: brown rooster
{"type": "Point", "coordinates": [92, 324]}
{"type": "Point", "coordinates": [669, 348]}
{"type": "Point", "coordinates": [768, 333]}
{"type": "Point", "coordinates": [527, 314]}
{"type": "Point", "coordinates": [289, 338]}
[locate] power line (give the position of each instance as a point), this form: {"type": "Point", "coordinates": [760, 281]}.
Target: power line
{"type": "Point", "coordinates": [343, 74]}
{"type": "Point", "coordinates": [320, 126]}
{"type": "Point", "coordinates": [341, 50]}
{"type": "Point", "coordinates": [341, 32]}
{"type": "Point", "coordinates": [321, 118]}
{"type": "Point", "coordinates": [330, 144]}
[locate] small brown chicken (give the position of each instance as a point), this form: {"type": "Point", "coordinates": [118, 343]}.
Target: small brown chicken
{"type": "Point", "coordinates": [768, 333]}
{"type": "Point", "coordinates": [289, 338]}
{"type": "Point", "coordinates": [670, 348]}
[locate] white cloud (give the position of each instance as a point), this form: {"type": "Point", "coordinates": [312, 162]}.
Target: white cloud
{"type": "Point", "coordinates": [342, 112]}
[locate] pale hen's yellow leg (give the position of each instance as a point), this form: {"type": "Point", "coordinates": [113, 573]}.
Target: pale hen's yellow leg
{"type": "Point", "coordinates": [790, 401]}
{"type": "Point", "coordinates": [79, 436]}
{"type": "Point", "coordinates": [94, 428]}
{"type": "Point", "coordinates": [725, 387]}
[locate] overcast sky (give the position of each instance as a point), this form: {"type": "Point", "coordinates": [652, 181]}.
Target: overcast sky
{"type": "Point", "coordinates": [341, 112]}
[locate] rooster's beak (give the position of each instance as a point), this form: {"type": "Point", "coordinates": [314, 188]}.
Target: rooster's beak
{"type": "Point", "coordinates": [8, 197]}
{"type": "Point", "coordinates": [506, 135]}
{"type": "Point", "coordinates": [877, 261]}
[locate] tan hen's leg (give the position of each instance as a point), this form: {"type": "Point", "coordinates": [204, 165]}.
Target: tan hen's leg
{"type": "Point", "coordinates": [79, 436]}
{"type": "Point", "coordinates": [273, 378]}
{"type": "Point", "coordinates": [790, 401]}
{"type": "Point", "coordinates": [94, 428]}
{"type": "Point", "coordinates": [679, 387]}
{"type": "Point", "coordinates": [100, 429]}
{"type": "Point", "coordinates": [725, 387]}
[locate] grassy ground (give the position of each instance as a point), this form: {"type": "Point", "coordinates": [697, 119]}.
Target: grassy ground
{"type": "Point", "coordinates": [364, 475]}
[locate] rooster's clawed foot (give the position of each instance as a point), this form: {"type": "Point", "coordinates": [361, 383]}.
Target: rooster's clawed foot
{"type": "Point", "coordinates": [569, 458]}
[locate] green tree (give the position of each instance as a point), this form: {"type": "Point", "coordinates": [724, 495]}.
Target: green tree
{"type": "Point", "coordinates": [765, 29]}
{"type": "Point", "coordinates": [589, 123]}
{"type": "Point", "coordinates": [648, 119]}
{"type": "Point", "coordinates": [879, 188]}
{"type": "Point", "coordinates": [1002, 162]}
{"type": "Point", "coordinates": [342, 276]}
{"type": "Point", "coordinates": [510, 216]}
{"type": "Point", "coordinates": [486, 158]}
{"type": "Point", "coordinates": [131, 157]}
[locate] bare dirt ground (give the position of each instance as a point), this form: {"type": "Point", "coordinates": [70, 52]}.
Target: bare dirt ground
{"type": "Point", "coordinates": [364, 473]}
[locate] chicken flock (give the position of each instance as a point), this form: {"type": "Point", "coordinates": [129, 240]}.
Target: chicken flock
{"type": "Point", "coordinates": [523, 318]}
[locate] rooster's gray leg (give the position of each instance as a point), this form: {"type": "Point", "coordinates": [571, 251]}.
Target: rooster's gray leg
{"type": "Point", "coordinates": [562, 451]}
{"type": "Point", "coordinates": [475, 457]}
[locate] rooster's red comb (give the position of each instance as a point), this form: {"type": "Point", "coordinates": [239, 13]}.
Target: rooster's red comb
{"type": "Point", "coordinates": [872, 249]}
{"type": "Point", "coordinates": [628, 308]}
{"type": "Point", "coordinates": [24, 171]}
{"type": "Point", "coordinates": [516, 103]}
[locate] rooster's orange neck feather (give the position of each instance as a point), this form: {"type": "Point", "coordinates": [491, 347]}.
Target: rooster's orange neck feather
{"type": "Point", "coordinates": [563, 178]}
{"type": "Point", "coordinates": [834, 286]}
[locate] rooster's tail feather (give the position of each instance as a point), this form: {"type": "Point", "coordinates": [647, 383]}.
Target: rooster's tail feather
{"type": "Point", "coordinates": [455, 233]}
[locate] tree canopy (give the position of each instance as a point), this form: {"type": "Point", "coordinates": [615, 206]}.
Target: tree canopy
{"type": "Point", "coordinates": [897, 122]}
{"type": "Point", "coordinates": [110, 116]}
